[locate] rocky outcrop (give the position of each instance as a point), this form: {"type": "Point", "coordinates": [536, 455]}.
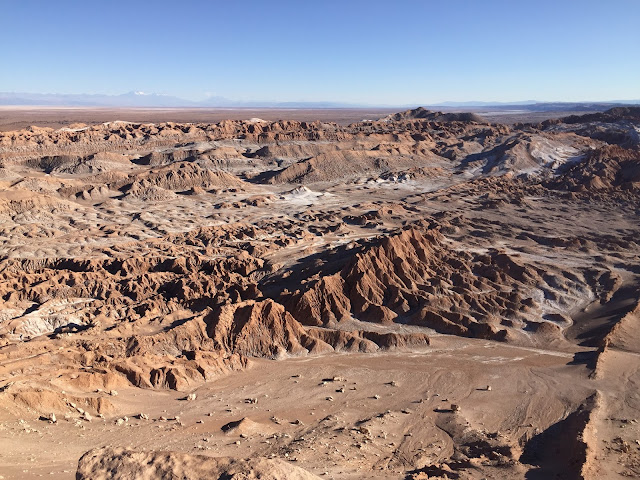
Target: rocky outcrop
{"type": "Point", "coordinates": [123, 464]}
{"type": "Point", "coordinates": [267, 329]}
{"type": "Point", "coordinates": [423, 113]}
{"type": "Point", "coordinates": [260, 329]}
{"type": "Point", "coordinates": [182, 176]}
{"type": "Point", "coordinates": [415, 277]}
{"type": "Point", "coordinates": [605, 169]}
{"type": "Point", "coordinates": [138, 285]}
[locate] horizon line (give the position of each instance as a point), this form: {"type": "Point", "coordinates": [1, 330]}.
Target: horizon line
{"type": "Point", "coordinates": [233, 103]}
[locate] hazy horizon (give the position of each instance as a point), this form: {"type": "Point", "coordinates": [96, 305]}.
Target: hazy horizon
{"type": "Point", "coordinates": [152, 100]}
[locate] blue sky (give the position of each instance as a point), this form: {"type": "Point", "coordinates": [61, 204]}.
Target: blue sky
{"type": "Point", "coordinates": [375, 52]}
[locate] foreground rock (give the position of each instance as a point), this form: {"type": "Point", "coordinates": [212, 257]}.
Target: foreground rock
{"type": "Point", "coordinates": [122, 464]}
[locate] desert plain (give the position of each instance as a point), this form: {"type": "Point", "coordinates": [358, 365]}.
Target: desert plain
{"type": "Point", "coordinates": [349, 295]}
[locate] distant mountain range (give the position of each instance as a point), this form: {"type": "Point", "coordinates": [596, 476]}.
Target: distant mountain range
{"type": "Point", "coordinates": [485, 104]}
{"type": "Point", "coordinates": [532, 106]}
{"type": "Point", "coordinates": [151, 100]}
{"type": "Point", "coordinates": [142, 99]}
{"type": "Point", "coordinates": [131, 99]}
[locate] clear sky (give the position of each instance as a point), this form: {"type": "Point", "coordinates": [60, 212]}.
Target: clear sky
{"type": "Point", "coordinates": [362, 51]}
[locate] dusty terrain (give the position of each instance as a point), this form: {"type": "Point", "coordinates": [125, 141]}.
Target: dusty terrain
{"type": "Point", "coordinates": [19, 117]}
{"type": "Point", "coordinates": [426, 295]}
